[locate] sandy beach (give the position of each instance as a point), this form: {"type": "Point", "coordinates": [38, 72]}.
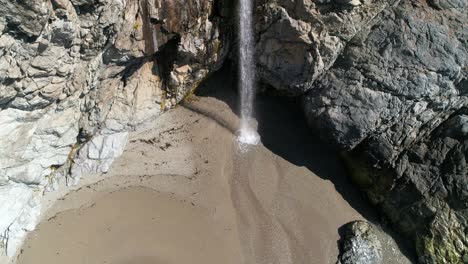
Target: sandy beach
{"type": "Point", "coordinates": [183, 193]}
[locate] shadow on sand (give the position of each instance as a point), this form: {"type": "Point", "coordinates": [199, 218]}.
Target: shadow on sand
{"type": "Point", "coordinates": [284, 131]}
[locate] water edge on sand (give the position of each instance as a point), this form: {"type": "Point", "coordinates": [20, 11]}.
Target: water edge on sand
{"type": "Point", "coordinates": [256, 208]}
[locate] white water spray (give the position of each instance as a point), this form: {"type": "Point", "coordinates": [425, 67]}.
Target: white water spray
{"type": "Point", "coordinates": [247, 134]}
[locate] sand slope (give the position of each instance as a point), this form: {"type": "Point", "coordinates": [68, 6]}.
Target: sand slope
{"type": "Point", "coordinates": [182, 193]}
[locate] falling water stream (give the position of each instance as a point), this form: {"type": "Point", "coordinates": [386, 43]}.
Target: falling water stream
{"type": "Point", "coordinates": [247, 134]}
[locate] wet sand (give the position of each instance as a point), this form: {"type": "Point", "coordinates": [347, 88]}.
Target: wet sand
{"type": "Point", "coordinates": [210, 203]}
{"type": "Point", "coordinates": [132, 225]}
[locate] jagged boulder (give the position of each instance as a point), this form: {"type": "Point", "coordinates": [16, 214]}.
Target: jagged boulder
{"type": "Point", "coordinates": [360, 244]}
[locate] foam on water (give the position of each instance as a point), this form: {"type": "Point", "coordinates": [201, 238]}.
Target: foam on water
{"type": "Point", "coordinates": [246, 138]}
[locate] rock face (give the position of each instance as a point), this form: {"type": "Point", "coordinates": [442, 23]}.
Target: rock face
{"type": "Point", "coordinates": [387, 82]}
{"type": "Point", "coordinates": [299, 41]}
{"type": "Point", "coordinates": [75, 75]}
{"type": "Point", "coordinates": [360, 244]}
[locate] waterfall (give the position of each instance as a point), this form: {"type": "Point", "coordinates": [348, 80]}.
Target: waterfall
{"type": "Point", "coordinates": [247, 134]}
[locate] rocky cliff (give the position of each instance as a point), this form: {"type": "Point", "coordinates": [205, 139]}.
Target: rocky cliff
{"type": "Point", "coordinates": [384, 80]}
{"type": "Point", "coordinates": [76, 75]}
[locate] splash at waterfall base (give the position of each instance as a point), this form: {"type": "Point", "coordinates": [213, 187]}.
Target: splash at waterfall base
{"type": "Point", "coordinates": [247, 134]}
{"type": "Point", "coordinates": [203, 197]}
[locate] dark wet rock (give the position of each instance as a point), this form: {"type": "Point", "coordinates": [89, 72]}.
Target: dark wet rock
{"type": "Point", "coordinates": [360, 244]}
{"type": "Point", "coordinates": [387, 82]}
{"type": "Point", "coordinates": [395, 101]}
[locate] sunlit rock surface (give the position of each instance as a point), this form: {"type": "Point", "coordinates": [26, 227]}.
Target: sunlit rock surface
{"type": "Point", "coordinates": [76, 75]}
{"type": "Point", "coordinates": [360, 244]}
{"type": "Point", "coordinates": [300, 40]}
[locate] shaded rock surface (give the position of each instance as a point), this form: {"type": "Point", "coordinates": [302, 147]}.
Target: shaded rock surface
{"type": "Point", "coordinates": [76, 75]}
{"type": "Point", "coordinates": [360, 244]}
{"type": "Point", "coordinates": [386, 81]}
